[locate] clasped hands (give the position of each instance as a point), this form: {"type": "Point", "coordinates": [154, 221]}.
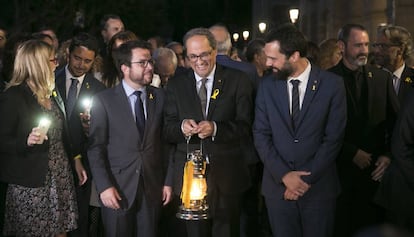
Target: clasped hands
{"type": "Point", "coordinates": [203, 129]}
{"type": "Point", "coordinates": [295, 186]}
{"type": "Point", "coordinates": [363, 160]}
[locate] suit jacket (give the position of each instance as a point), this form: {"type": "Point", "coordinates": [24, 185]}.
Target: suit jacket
{"type": "Point", "coordinates": [19, 163]}
{"type": "Point", "coordinates": [231, 109]}
{"type": "Point", "coordinates": [369, 124]}
{"type": "Point", "coordinates": [116, 153]}
{"type": "Point", "coordinates": [407, 78]}
{"type": "Point", "coordinates": [396, 190]}
{"type": "Point", "coordinates": [315, 143]}
{"type": "Point", "coordinates": [78, 139]}
{"type": "Point", "coordinates": [249, 152]}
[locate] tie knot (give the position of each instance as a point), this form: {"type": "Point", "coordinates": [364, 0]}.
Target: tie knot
{"type": "Point", "coordinates": [295, 82]}
{"type": "Point", "coordinates": [138, 93]}
{"type": "Point", "coordinates": [75, 81]}
{"type": "Point", "coordinates": [203, 81]}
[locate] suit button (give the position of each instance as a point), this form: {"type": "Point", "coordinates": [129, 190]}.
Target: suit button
{"type": "Point", "coordinates": [296, 140]}
{"type": "Point", "coordinates": [137, 171]}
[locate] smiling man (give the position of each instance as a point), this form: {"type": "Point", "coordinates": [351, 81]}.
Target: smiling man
{"type": "Point", "coordinates": [212, 105]}
{"type": "Point", "coordinates": [75, 83]}
{"type": "Point", "coordinates": [372, 105]}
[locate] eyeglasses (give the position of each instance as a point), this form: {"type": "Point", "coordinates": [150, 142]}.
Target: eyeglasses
{"type": "Point", "coordinates": [203, 56]}
{"type": "Point", "coordinates": [54, 60]}
{"type": "Point", "coordinates": [144, 63]}
{"type": "Point", "coordinates": [384, 45]}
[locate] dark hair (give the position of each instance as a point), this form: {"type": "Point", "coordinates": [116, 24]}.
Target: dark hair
{"type": "Point", "coordinates": [289, 38]}
{"type": "Point", "coordinates": [110, 71]}
{"type": "Point", "coordinates": [41, 36]}
{"type": "Point", "coordinates": [345, 31]}
{"type": "Point", "coordinates": [202, 32]}
{"type": "Point", "coordinates": [254, 47]}
{"type": "Point", "coordinates": [123, 54]}
{"type": "Point", "coordinates": [105, 18]}
{"type": "Point", "coordinates": [86, 40]}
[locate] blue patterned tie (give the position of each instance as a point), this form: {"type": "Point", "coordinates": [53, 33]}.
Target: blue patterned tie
{"type": "Point", "coordinates": [139, 114]}
{"type": "Point", "coordinates": [72, 94]}
{"type": "Point", "coordinates": [295, 102]}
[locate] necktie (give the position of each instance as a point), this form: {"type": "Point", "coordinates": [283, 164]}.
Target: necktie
{"type": "Point", "coordinates": [72, 94]}
{"type": "Point", "coordinates": [295, 102]}
{"type": "Point", "coordinates": [395, 83]}
{"type": "Point", "coordinates": [139, 114]}
{"type": "Point", "coordinates": [202, 93]}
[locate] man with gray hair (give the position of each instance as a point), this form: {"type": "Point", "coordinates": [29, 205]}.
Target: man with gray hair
{"type": "Point", "coordinates": [394, 45]}
{"type": "Point", "coordinates": [165, 65]}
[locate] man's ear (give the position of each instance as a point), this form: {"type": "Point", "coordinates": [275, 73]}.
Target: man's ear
{"type": "Point", "coordinates": [341, 45]}
{"type": "Point", "coordinates": [295, 56]}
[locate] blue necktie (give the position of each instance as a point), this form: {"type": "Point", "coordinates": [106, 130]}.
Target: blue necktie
{"type": "Point", "coordinates": [295, 102]}
{"type": "Point", "coordinates": [72, 94]}
{"type": "Point", "coordinates": [139, 114]}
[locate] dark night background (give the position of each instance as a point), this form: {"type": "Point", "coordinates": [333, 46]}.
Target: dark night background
{"type": "Point", "coordinates": [169, 19]}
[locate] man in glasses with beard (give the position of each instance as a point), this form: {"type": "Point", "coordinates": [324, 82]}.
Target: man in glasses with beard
{"type": "Point", "coordinates": [372, 105]}
{"type": "Point", "coordinates": [300, 118]}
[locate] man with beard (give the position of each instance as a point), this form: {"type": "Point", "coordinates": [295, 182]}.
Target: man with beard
{"type": "Point", "coordinates": [125, 151]}
{"type": "Point", "coordinates": [298, 131]}
{"type": "Point", "coordinates": [393, 46]}
{"type": "Point", "coordinates": [372, 105]}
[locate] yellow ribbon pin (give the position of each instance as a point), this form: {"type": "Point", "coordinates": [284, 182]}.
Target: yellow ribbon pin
{"type": "Point", "coordinates": [370, 74]}
{"type": "Point", "coordinates": [215, 94]}
{"type": "Point", "coordinates": [151, 96]}
{"type": "Point", "coordinates": [408, 80]}
{"type": "Point", "coordinates": [54, 93]}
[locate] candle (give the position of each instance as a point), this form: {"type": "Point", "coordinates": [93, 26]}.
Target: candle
{"type": "Point", "coordinates": [43, 126]}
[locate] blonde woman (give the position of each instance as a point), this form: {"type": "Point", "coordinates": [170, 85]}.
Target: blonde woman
{"type": "Point", "coordinates": [40, 199]}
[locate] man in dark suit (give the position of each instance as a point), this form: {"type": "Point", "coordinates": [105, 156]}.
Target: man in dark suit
{"type": "Point", "coordinates": [372, 106]}
{"type": "Point", "coordinates": [125, 152]}
{"type": "Point", "coordinates": [76, 83]}
{"type": "Point", "coordinates": [393, 46]}
{"type": "Point", "coordinates": [212, 105]}
{"type": "Point", "coordinates": [250, 203]}
{"type": "Point", "coordinates": [300, 118]}
{"type": "Point", "coordinates": [396, 190]}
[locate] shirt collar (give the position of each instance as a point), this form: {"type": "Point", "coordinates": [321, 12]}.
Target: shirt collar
{"type": "Point", "coordinates": [399, 71]}
{"type": "Point", "coordinates": [129, 90]}
{"type": "Point", "coordinates": [304, 76]}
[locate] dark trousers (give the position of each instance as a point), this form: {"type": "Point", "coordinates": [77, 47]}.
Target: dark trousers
{"type": "Point", "coordinates": [355, 212]}
{"type": "Point", "coordinates": [83, 195]}
{"type": "Point", "coordinates": [141, 219]}
{"type": "Point", "coordinates": [224, 221]}
{"type": "Point", "coordinates": [301, 218]}
{"type": "Point", "coordinates": [3, 190]}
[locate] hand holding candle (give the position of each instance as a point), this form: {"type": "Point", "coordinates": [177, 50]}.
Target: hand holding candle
{"type": "Point", "coordinates": [86, 116]}
{"type": "Point", "coordinates": [38, 134]}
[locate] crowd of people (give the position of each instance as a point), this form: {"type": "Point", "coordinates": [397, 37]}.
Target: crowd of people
{"type": "Point", "coordinates": [300, 139]}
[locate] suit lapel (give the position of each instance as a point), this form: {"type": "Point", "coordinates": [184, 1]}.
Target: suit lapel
{"type": "Point", "coordinates": [311, 89]}
{"type": "Point", "coordinates": [370, 89]}
{"type": "Point", "coordinates": [58, 99]}
{"type": "Point", "coordinates": [151, 102]}
{"type": "Point", "coordinates": [215, 92]}
{"type": "Point", "coordinates": [122, 102]}
{"type": "Point", "coordinates": [282, 101]}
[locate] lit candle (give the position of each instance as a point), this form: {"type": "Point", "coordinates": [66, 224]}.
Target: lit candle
{"type": "Point", "coordinates": [43, 126]}
{"type": "Point", "coordinates": [87, 104]}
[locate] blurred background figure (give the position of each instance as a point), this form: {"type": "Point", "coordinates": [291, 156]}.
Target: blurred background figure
{"type": "Point", "coordinates": [393, 46]}
{"type": "Point", "coordinates": [110, 77]}
{"type": "Point", "coordinates": [165, 65]}
{"type": "Point", "coordinates": [329, 54]}
{"type": "Point", "coordinates": [256, 56]}
{"type": "Point", "coordinates": [110, 25]}
{"type": "Point", "coordinates": [312, 52]}
{"type": "Point", "coordinates": [47, 30]}
{"type": "Point", "coordinates": [40, 198]}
